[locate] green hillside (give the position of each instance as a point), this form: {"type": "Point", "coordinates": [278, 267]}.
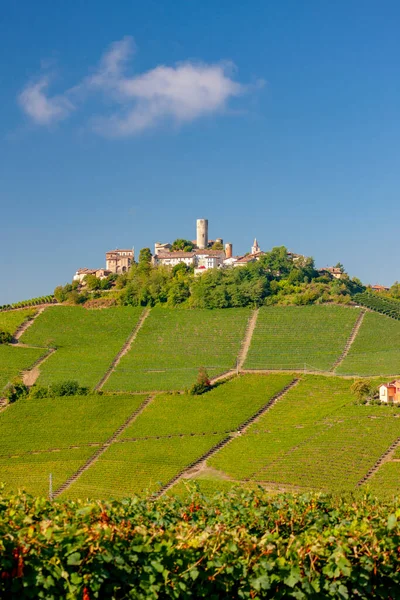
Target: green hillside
{"type": "Point", "coordinates": [375, 350]}
{"type": "Point", "coordinates": [87, 341]}
{"type": "Point", "coordinates": [12, 319]}
{"type": "Point", "coordinates": [313, 438]}
{"type": "Point", "coordinates": [172, 432]}
{"type": "Point", "coordinates": [289, 337]}
{"type": "Point", "coordinates": [173, 344]}
{"type": "Point", "coordinates": [15, 359]}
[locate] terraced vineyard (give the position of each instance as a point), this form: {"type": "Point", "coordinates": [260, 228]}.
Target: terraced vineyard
{"type": "Point", "coordinates": [288, 337]}
{"type": "Point", "coordinates": [36, 436]}
{"type": "Point", "coordinates": [314, 438]}
{"type": "Point", "coordinates": [375, 351]}
{"type": "Point", "coordinates": [14, 360]}
{"type": "Point", "coordinates": [173, 431]}
{"type": "Point", "coordinates": [87, 341]}
{"type": "Point", "coordinates": [11, 320]}
{"type": "Point", "coordinates": [173, 344]}
{"type": "Point", "coordinates": [386, 481]}
{"type": "Point", "coordinates": [378, 303]}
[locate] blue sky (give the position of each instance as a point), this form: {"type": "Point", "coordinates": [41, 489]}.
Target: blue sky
{"type": "Point", "coordinates": [122, 123]}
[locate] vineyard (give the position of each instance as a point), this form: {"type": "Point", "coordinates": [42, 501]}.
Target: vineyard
{"type": "Point", "coordinates": [314, 438]}
{"type": "Point", "coordinates": [32, 302]}
{"type": "Point", "coordinates": [14, 360]}
{"type": "Point", "coordinates": [375, 349]}
{"type": "Point", "coordinates": [11, 321]}
{"type": "Point", "coordinates": [241, 544]}
{"type": "Point", "coordinates": [386, 306]}
{"type": "Point", "coordinates": [173, 431]}
{"type": "Point", "coordinates": [292, 337]}
{"type": "Point", "coordinates": [87, 341]}
{"type": "Point", "coordinates": [173, 344]}
{"type": "Point", "coordinates": [56, 435]}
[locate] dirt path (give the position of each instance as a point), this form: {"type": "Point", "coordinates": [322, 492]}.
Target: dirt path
{"type": "Point", "coordinates": [103, 448]}
{"type": "Point", "coordinates": [200, 464]}
{"type": "Point", "coordinates": [22, 328]}
{"type": "Point", "coordinates": [30, 377]}
{"type": "Point", "coordinates": [385, 457]}
{"type": "Point", "coordinates": [125, 348]}
{"type": "Point", "coordinates": [247, 338]}
{"type": "Point", "coordinates": [350, 341]}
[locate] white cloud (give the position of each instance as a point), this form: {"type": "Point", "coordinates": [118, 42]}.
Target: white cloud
{"type": "Point", "coordinates": [42, 109]}
{"type": "Point", "coordinates": [179, 94]}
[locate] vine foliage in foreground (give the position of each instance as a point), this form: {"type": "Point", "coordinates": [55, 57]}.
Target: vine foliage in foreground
{"type": "Point", "coordinates": [243, 544]}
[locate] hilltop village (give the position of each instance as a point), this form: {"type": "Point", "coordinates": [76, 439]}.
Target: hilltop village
{"type": "Point", "coordinates": [200, 254]}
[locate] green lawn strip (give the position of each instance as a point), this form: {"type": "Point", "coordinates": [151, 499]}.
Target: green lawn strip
{"type": "Point", "coordinates": [59, 422]}
{"type": "Point", "coordinates": [87, 341]}
{"type": "Point", "coordinates": [386, 480]}
{"type": "Point", "coordinates": [222, 409]}
{"type": "Point", "coordinates": [11, 320]}
{"type": "Point", "coordinates": [14, 360]}
{"type": "Point", "coordinates": [291, 421]}
{"type": "Point", "coordinates": [173, 344]}
{"type": "Point", "coordinates": [136, 467]}
{"type": "Point", "coordinates": [375, 351]}
{"type": "Point", "coordinates": [31, 472]}
{"type": "Point", "coordinates": [396, 454]}
{"type": "Point", "coordinates": [288, 337]}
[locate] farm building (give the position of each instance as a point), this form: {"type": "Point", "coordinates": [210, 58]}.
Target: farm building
{"type": "Point", "coordinates": [390, 392]}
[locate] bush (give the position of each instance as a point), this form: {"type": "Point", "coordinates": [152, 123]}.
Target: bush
{"type": "Point", "coordinates": [5, 337]}
{"type": "Point", "coordinates": [16, 390]}
{"type": "Point", "coordinates": [64, 388]}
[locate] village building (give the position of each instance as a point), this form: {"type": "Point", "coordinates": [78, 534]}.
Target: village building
{"type": "Point", "coordinates": [390, 392]}
{"type": "Point", "coordinates": [336, 272]}
{"type": "Point", "coordinates": [81, 274]}
{"type": "Point", "coordinates": [161, 248]}
{"type": "Point", "coordinates": [171, 259]}
{"type": "Point", "coordinates": [379, 288]}
{"type": "Point", "coordinates": [119, 261]}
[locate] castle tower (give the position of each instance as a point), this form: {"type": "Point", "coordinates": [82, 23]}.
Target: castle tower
{"type": "Point", "coordinates": [202, 233]}
{"type": "Point", "coordinates": [255, 249]}
{"type": "Point", "coordinates": [228, 250]}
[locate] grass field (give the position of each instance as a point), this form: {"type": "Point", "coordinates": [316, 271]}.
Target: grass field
{"type": "Point", "coordinates": [12, 319]}
{"type": "Point", "coordinates": [314, 438]}
{"type": "Point", "coordinates": [294, 337]}
{"type": "Point", "coordinates": [173, 344]}
{"type": "Point", "coordinates": [87, 341]}
{"type": "Point", "coordinates": [135, 467]}
{"type": "Point", "coordinates": [14, 360]}
{"type": "Point", "coordinates": [60, 422]}
{"type": "Point", "coordinates": [223, 409]}
{"type": "Point", "coordinates": [375, 351]}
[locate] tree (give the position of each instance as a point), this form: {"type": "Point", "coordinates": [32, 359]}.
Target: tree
{"type": "Point", "coordinates": [217, 246]}
{"type": "Point", "coordinates": [363, 389]}
{"type": "Point", "coordinates": [92, 282]}
{"type": "Point", "coordinates": [277, 262]}
{"type": "Point", "coordinates": [144, 256]}
{"type": "Point", "coordinates": [183, 245]}
{"type": "Point", "coordinates": [203, 383]}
